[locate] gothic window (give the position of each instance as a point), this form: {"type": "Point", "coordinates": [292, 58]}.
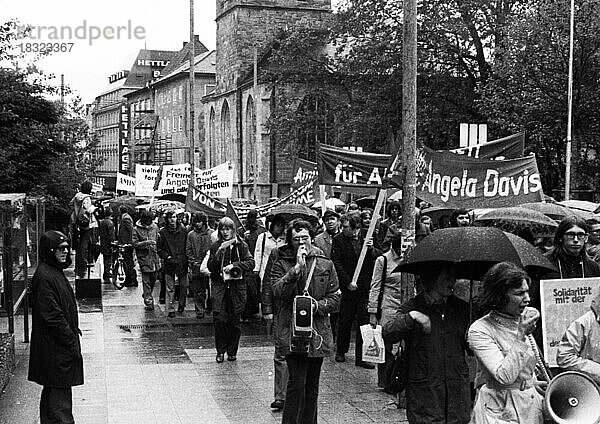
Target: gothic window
{"type": "Point", "coordinates": [251, 148]}
{"type": "Point", "coordinates": [315, 125]}
{"type": "Point", "coordinates": [212, 143]}
{"type": "Point", "coordinates": [227, 150]}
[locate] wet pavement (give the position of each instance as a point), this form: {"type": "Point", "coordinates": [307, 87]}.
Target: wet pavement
{"type": "Point", "coordinates": [142, 367]}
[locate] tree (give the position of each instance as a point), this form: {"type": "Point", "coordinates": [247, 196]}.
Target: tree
{"type": "Point", "coordinates": [528, 88]}
{"type": "Point", "coordinates": [42, 144]}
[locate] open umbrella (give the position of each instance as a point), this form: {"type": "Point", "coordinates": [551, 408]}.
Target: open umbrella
{"type": "Point", "coordinates": [130, 202]}
{"type": "Point", "coordinates": [515, 218]}
{"type": "Point", "coordinates": [293, 211]}
{"type": "Point", "coordinates": [551, 210]}
{"type": "Point", "coordinates": [161, 205]}
{"type": "Point", "coordinates": [582, 208]}
{"type": "Point", "coordinates": [473, 250]}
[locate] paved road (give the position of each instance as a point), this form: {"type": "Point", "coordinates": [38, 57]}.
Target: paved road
{"type": "Point", "coordinates": [142, 367]}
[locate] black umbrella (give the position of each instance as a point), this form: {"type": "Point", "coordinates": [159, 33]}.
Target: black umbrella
{"type": "Point", "coordinates": [473, 250]}
{"type": "Point", "coordinates": [293, 211]}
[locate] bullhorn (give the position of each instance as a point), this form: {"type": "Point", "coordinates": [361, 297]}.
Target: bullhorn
{"type": "Point", "coordinates": [573, 398]}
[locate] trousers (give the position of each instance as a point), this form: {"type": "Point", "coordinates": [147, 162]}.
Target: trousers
{"type": "Point", "coordinates": [227, 327]}
{"type": "Point", "coordinates": [56, 406]}
{"type": "Point", "coordinates": [353, 305]}
{"type": "Point", "coordinates": [302, 389]}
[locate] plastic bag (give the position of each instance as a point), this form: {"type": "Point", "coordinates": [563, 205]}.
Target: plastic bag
{"type": "Point", "coordinates": [373, 349]}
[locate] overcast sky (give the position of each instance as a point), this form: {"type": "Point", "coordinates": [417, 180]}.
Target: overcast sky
{"type": "Point", "coordinates": [87, 67]}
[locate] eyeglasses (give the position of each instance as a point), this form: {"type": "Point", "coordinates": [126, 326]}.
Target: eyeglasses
{"type": "Point", "coordinates": [62, 248]}
{"type": "Point", "coordinates": [301, 238]}
{"type": "Point", "coordinates": [579, 236]}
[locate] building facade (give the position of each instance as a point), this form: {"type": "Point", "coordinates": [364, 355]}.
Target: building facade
{"type": "Point", "coordinates": [236, 113]}
{"type": "Point", "coordinates": [110, 114]}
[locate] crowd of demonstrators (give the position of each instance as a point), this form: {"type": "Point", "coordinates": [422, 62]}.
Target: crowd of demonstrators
{"type": "Point", "coordinates": [229, 258]}
{"type": "Point", "coordinates": [345, 253]}
{"type": "Point", "coordinates": [83, 226]}
{"type": "Point", "coordinates": [171, 248]}
{"type": "Point", "coordinates": [197, 246]}
{"type": "Point", "coordinates": [55, 360]}
{"type": "Point", "coordinates": [301, 268]}
{"type": "Point", "coordinates": [144, 241]}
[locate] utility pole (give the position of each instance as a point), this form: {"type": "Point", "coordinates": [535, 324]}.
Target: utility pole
{"type": "Point", "coordinates": [192, 51]}
{"type": "Point", "coordinates": [569, 106]}
{"type": "Point", "coordinates": [409, 116]}
{"type": "Point", "coordinates": [62, 90]}
{"type": "Point", "coordinates": [254, 151]}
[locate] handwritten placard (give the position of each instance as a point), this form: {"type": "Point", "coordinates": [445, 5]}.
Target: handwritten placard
{"type": "Point", "coordinates": [563, 301]}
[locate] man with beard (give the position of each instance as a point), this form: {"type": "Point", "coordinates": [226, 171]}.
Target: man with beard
{"type": "Point", "coordinates": [55, 360]}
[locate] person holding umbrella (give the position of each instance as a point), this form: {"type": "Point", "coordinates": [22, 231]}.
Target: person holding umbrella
{"type": "Point", "coordinates": [433, 326]}
{"type": "Point", "coordinates": [507, 388]}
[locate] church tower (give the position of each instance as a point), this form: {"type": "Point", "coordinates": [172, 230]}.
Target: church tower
{"type": "Point", "coordinates": [243, 25]}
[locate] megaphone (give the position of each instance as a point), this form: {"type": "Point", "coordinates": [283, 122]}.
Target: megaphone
{"type": "Point", "coordinates": [573, 398]}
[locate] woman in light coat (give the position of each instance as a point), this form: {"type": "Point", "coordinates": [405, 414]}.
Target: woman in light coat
{"type": "Point", "coordinates": [507, 388]}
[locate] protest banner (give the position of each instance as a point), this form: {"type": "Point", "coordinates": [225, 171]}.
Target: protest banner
{"type": "Point", "coordinates": [563, 301]}
{"type": "Point", "coordinates": [145, 176]}
{"type": "Point", "coordinates": [125, 183]}
{"type": "Point", "coordinates": [454, 181]}
{"type": "Point", "coordinates": [356, 170]}
{"type": "Point", "coordinates": [216, 182]}
{"type": "Point", "coordinates": [198, 201]}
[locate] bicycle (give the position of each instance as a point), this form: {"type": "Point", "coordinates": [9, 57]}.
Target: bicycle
{"type": "Point", "coordinates": [118, 264]}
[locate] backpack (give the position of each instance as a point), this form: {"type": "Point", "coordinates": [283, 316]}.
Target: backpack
{"type": "Point", "coordinates": [82, 220]}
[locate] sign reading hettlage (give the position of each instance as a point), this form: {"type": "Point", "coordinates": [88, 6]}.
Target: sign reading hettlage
{"type": "Point", "coordinates": [197, 201]}
{"type": "Point", "coordinates": [123, 138]}
{"type": "Point", "coordinates": [453, 181]}
{"type": "Point", "coordinates": [563, 301]}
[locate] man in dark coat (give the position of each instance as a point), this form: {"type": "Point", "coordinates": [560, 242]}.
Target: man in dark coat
{"type": "Point", "coordinates": [55, 360]}
{"type": "Point", "coordinates": [344, 254]}
{"type": "Point", "coordinates": [106, 233]}
{"type": "Point", "coordinates": [197, 245]}
{"type": "Point", "coordinates": [125, 236]}
{"type": "Point", "coordinates": [171, 248]}
{"type": "Point", "coordinates": [433, 326]}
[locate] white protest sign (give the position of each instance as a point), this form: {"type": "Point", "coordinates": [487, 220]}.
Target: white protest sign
{"type": "Point", "coordinates": [563, 301]}
{"type": "Point", "coordinates": [216, 182]}
{"type": "Point", "coordinates": [125, 183]}
{"type": "Point", "coordinates": [145, 177]}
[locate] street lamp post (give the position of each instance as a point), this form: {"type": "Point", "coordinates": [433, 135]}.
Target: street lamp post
{"type": "Point", "coordinates": [569, 106]}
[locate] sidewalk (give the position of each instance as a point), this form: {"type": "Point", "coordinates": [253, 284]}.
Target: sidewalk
{"type": "Point", "coordinates": [141, 367]}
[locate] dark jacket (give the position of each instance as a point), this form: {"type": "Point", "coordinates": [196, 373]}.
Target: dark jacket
{"type": "Point", "coordinates": [239, 255]}
{"type": "Point", "coordinates": [438, 376]}
{"type": "Point", "coordinates": [250, 236]}
{"type": "Point", "coordinates": [572, 266]}
{"type": "Point", "coordinates": [106, 233]}
{"type": "Point", "coordinates": [323, 288]}
{"type": "Point", "coordinates": [171, 248]}
{"type": "Point", "coordinates": [345, 258]}
{"type": "Point", "coordinates": [197, 245]}
{"type": "Point", "coordinates": [126, 229]}
{"type": "Point", "coordinates": [145, 244]}
{"type": "Point", "coordinates": [55, 350]}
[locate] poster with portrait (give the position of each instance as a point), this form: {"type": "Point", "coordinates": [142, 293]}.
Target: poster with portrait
{"type": "Point", "coordinates": [563, 301]}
